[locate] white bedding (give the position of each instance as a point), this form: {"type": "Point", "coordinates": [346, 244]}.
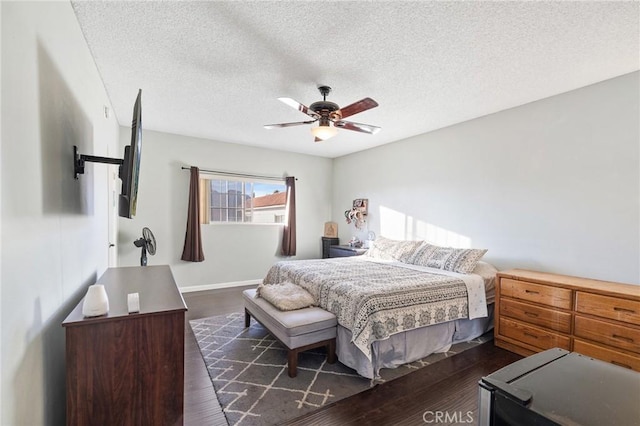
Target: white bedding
{"type": "Point", "coordinates": [410, 346]}
{"type": "Point", "coordinates": [476, 292]}
{"type": "Point", "coordinates": [376, 298]}
{"type": "Point", "coordinates": [331, 281]}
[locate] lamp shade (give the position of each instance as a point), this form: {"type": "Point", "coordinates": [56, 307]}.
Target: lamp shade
{"type": "Point", "coordinates": [324, 132]}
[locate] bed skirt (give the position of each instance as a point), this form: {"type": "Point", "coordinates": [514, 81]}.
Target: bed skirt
{"type": "Point", "coordinates": [410, 345]}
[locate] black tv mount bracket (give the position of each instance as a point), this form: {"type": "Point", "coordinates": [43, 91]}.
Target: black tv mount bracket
{"type": "Point", "coordinates": [79, 160]}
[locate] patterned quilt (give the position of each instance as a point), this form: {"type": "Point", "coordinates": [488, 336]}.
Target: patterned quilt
{"type": "Point", "coordinates": [375, 299]}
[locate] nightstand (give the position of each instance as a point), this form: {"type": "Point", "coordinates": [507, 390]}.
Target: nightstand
{"type": "Point", "coordinates": [326, 243]}
{"type": "Point", "coordinates": [345, 251]}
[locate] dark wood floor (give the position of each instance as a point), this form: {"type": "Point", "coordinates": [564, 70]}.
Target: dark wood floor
{"type": "Point", "coordinates": [450, 386]}
{"type": "Point", "coordinates": [201, 406]}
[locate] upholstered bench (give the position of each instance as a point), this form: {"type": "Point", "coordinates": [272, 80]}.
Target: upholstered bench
{"type": "Point", "coordinates": [297, 330]}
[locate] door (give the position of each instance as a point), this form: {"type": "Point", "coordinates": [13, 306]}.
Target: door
{"type": "Point", "coordinates": [112, 214]}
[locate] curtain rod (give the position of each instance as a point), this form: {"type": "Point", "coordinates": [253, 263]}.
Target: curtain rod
{"type": "Point", "coordinates": [246, 175]}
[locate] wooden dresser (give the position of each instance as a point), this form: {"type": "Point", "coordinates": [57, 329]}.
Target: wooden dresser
{"type": "Point", "coordinates": [128, 369]}
{"type": "Point", "coordinates": [536, 311]}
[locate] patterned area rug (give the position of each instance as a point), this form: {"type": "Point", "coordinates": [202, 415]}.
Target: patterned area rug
{"type": "Point", "coordinates": [248, 369]}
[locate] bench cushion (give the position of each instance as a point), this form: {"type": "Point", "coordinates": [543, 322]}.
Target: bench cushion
{"type": "Point", "coordinates": [294, 328]}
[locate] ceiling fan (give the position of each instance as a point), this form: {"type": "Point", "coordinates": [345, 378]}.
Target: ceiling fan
{"type": "Point", "coordinates": [327, 113]}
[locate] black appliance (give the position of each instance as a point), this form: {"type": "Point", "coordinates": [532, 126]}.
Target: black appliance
{"type": "Point", "coordinates": [557, 387]}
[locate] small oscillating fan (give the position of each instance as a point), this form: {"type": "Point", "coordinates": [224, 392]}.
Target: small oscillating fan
{"type": "Point", "coordinates": [147, 243]}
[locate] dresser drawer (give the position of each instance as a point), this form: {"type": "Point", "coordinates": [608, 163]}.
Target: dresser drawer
{"type": "Point", "coordinates": [555, 320]}
{"type": "Point", "coordinates": [532, 335]}
{"type": "Point", "coordinates": [609, 307]}
{"type": "Point", "coordinates": [343, 251]}
{"type": "Point", "coordinates": [607, 333]}
{"type": "Point", "coordinates": [606, 354]}
{"type": "Point", "coordinates": [538, 293]}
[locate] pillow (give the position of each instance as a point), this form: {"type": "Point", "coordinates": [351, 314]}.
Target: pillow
{"type": "Point", "coordinates": [448, 258]}
{"type": "Point", "coordinates": [488, 273]}
{"type": "Point", "coordinates": [386, 249]}
{"type": "Point", "coordinates": [286, 296]}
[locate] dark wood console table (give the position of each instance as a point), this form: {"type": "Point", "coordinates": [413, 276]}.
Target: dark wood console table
{"type": "Point", "coordinates": [128, 369]}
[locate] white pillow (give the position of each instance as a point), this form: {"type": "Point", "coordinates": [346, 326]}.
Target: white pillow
{"type": "Point", "coordinates": [286, 296]}
{"type": "Point", "coordinates": [447, 258]}
{"type": "Point", "coordinates": [488, 273]}
{"type": "Point", "coordinates": [386, 249]}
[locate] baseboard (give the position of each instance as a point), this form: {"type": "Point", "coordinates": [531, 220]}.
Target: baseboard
{"type": "Point", "coordinates": [217, 286]}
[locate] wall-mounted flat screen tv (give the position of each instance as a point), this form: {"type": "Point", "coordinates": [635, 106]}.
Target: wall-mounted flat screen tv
{"type": "Point", "coordinates": [129, 171]}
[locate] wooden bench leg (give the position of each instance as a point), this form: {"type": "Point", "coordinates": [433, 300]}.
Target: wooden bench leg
{"type": "Point", "coordinates": [292, 355]}
{"type": "Point", "coordinates": [292, 361]}
{"type": "Point", "coordinates": [331, 351]}
{"type": "Point", "coordinates": [247, 318]}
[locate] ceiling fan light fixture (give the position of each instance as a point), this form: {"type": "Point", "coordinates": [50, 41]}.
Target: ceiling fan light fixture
{"type": "Point", "coordinates": [324, 132]}
{"type": "Point", "coordinates": [325, 112]}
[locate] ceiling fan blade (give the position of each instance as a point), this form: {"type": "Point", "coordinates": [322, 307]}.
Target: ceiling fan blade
{"type": "Point", "coordinates": [358, 127]}
{"type": "Point", "coordinates": [356, 107]}
{"type": "Point", "coordinates": [297, 123]}
{"type": "Point", "coordinates": [302, 108]}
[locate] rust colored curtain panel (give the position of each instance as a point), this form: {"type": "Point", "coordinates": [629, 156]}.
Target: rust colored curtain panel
{"type": "Point", "coordinates": [192, 251]}
{"type": "Point", "coordinates": [289, 234]}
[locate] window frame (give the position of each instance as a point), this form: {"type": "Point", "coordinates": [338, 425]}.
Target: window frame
{"type": "Point", "coordinates": [206, 218]}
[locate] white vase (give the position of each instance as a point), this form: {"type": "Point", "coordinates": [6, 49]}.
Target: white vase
{"type": "Point", "coordinates": [96, 302]}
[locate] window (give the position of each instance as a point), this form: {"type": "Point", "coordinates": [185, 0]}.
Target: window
{"type": "Point", "coordinates": [237, 200]}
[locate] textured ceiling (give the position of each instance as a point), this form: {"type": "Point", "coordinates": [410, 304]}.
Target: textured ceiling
{"type": "Point", "coordinates": [215, 69]}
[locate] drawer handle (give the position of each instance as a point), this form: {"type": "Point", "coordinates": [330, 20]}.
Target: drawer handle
{"type": "Point", "coordinates": [531, 292]}
{"type": "Point", "coordinates": [621, 365]}
{"type": "Point", "coordinates": [530, 335]}
{"type": "Point", "coordinates": [619, 309]}
{"type": "Point", "coordinates": [531, 314]}
{"type": "Point", "coordinates": [626, 339]}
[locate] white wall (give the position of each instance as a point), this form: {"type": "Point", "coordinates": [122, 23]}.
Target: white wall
{"type": "Point", "coordinates": [233, 253]}
{"type": "Point", "coordinates": [552, 186]}
{"type": "Point", "coordinates": [54, 229]}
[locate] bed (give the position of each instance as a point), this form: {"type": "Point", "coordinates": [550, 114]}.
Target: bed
{"type": "Point", "coordinates": [393, 309]}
